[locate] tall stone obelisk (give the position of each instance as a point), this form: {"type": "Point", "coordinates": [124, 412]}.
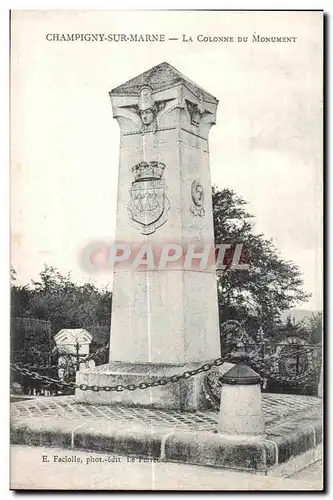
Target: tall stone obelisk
{"type": "Point", "coordinates": [164, 321]}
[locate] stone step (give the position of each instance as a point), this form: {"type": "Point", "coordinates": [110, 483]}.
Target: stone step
{"type": "Point", "coordinates": [285, 449]}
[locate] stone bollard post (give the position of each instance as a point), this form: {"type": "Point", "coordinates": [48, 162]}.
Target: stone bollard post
{"type": "Point", "coordinates": [241, 412]}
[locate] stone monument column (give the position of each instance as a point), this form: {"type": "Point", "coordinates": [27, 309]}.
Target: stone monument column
{"type": "Point", "coordinates": [164, 321]}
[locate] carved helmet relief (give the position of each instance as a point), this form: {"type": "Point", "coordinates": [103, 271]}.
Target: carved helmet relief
{"type": "Point", "coordinates": [147, 107]}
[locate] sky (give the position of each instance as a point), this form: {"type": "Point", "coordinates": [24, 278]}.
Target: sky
{"type": "Point", "coordinates": [266, 144]}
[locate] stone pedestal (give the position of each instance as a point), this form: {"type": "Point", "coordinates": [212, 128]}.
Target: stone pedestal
{"type": "Point", "coordinates": [184, 395]}
{"type": "Point", "coordinates": [163, 320]}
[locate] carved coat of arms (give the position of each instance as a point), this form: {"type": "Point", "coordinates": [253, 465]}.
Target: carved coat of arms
{"type": "Point", "coordinates": [149, 206]}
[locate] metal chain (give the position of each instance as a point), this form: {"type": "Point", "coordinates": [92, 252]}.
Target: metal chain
{"type": "Point", "coordinates": [296, 349]}
{"type": "Point", "coordinates": [295, 380]}
{"type": "Point", "coordinates": [259, 364]}
{"type": "Point", "coordinates": [119, 388]}
{"type": "Point", "coordinates": [99, 351]}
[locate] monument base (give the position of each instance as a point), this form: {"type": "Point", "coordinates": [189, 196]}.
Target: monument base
{"type": "Point", "coordinates": [293, 427]}
{"type": "Point", "coordinates": [184, 395]}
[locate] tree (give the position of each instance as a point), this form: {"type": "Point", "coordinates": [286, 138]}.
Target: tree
{"type": "Point", "coordinates": [66, 304]}
{"type": "Point", "coordinates": [314, 327]}
{"type": "Point", "coordinates": [12, 274]}
{"type": "Point", "coordinates": [19, 297]}
{"type": "Point", "coordinates": [56, 300]}
{"type": "Point", "coordinates": [257, 295]}
{"type": "Point", "coordinates": [269, 286]}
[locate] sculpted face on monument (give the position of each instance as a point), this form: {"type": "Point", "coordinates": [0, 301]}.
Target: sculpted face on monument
{"type": "Point", "coordinates": [147, 116]}
{"type": "Point", "coordinates": [197, 194]}
{"type": "Point", "coordinates": [147, 109]}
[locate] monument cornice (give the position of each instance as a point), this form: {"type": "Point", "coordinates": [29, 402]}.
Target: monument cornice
{"type": "Point", "coordinates": [167, 87]}
{"type": "Point", "coordinates": [149, 112]}
{"type": "Point", "coordinates": [160, 77]}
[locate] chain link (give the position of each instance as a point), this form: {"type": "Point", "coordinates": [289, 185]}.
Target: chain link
{"type": "Point", "coordinates": [265, 371]}
{"type": "Point", "coordinates": [99, 351]}
{"type": "Point", "coordinates": [69, 359]}
{"type": "Point", "coordinates": [261, 365]}
{"type": "Point", "coordinates": [295, 348]}
{"type": "Point", "coordinates": [119, 388]}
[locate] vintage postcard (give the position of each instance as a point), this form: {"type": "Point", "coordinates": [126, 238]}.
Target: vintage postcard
{"type": "Point", "coordinates": [166, 250]}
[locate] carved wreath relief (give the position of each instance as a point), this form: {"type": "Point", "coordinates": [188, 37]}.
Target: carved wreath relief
{"type": "Point", "coordinates": [149, 206]}
{"type": "Point", "coordinates": [197, 194]}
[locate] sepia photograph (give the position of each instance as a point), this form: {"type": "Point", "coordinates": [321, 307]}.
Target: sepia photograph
{"type": "Point", "coordinates": [166, 280]}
